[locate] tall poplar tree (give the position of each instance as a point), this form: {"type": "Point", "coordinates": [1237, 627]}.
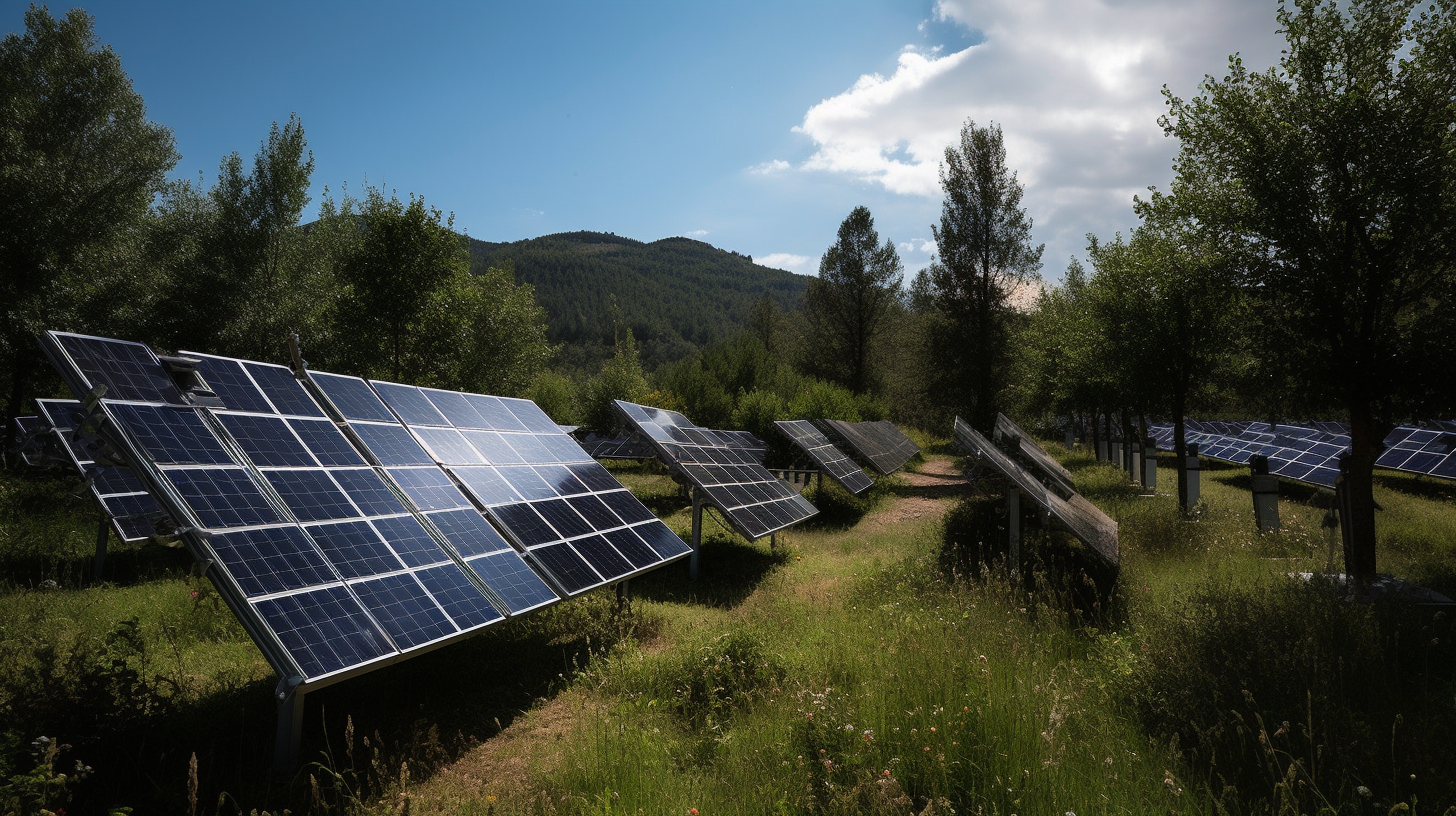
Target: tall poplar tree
{"type": "Point", "coordinates": [984, 254]}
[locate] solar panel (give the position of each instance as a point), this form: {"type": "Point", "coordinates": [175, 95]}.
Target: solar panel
{"type": "Point", "coordinates": [880, 443]}
{"type": "Point", "coordinates": [729, 478]}
{"type": "Point", "coordinates": [1049, 469]}
{"type": "Point", "coordinates": [133, 513]}
{"type": "Point", "coordinates": [573, 520]}
{"type": "Point", "coordinates": [1077, 515]}
{"type": "Point", "coordinates": [622, 446]}
{"type": "Point", "coordinates": [365, 520]}
{"type": "Point", "coordinates": [826, 454]}
{"type": "Point", "coordinates": [1429, 451]}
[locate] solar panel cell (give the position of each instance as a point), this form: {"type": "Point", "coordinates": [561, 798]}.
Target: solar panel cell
{"type": "Point", "coordinates": [271, 559]}
{"type": "Point", "coordinates": [222, 497]}
{"type": "Point", "coordinates": [325, 630]}
{"type": "Point", "coordinates": [404, 609]}
{"type": "Point", "coordinates": [464, 604]}
{"type": "Point", "coordinates": [354, 548]}
{"type": "Point", "coordinates": [283, 390]}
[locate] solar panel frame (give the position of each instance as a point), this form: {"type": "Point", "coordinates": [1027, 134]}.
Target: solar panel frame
{"type": "Point", "coordinates": [880, 443]}
{"type": "Point", "coordinates": [1050, 470]}
{"type": "Point", "coordinates": [826, 455]}
{"type": "Point", "coordinates": [1075, 514]}
{"type": "Point", "coordinates": [129, 507]}
{"type": "Point", "coordinates": [763, 505]}
{"type": "Point", "coordinates": [517, 466]}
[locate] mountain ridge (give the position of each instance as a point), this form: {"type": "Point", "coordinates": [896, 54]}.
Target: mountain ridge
{"type": "Point", "coordinates": [677, 294]}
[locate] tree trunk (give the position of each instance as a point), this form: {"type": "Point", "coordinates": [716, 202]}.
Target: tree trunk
{"type": "Point", "coordinates": [1180, 448]}
{"type": "Point", "coordinates": [1365, 445]}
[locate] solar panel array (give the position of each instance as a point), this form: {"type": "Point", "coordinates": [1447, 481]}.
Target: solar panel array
{"type": "Point", "coordinates": [574, 520]}
{"type": "Point", "coordinates": [826, 454]}
{"type": "Point", "coordinates": [1301, 453]}
{"type": "Point", "coordinates": [133, 513]}
{"type": "Point", "coordinates": [1074, 513]}
{"type": "Point", "coordinates": [339, 551]}
{"type": "Point", "coordinates": [880, 443]}
{"type": "Point", "coordinates": [1048, 468]}
{"type": "Point", "coordinates": [730, 478]}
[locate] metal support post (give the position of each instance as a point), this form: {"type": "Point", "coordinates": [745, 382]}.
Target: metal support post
{"type": "Point", "coordinates": [1150, 466]}
{"type": "Point", "coordinates": [1190, 499]}
{"type": "Point", "coordinates": [103, 533]}
{"type": "Point", "coordinates": [624, 600]}
{"type": "Point", "coordinates": [1266, 495]}
{"type": "Point", "coordinates": [1347, 530]}
{"type": "Point", "coordinates": [1133, 460]}
{"type": "Point", "coordinates": [773, 541]}
{"type": "Point", "coordinates": [290, 725]}
{"type": "Point", "coordinates": [1013, 529]}
{"type": "Point", "coordinates": [697, 541]}
{"type": "Point", "coordinates": [1070, 438]}
{"type": "Point", "coordinates": [1102, 450]}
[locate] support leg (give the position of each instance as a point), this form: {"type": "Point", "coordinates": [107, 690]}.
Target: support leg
{"type": "Point", "coordinates": [290, 727]}
{"type": "Point", "coordinates": [697, 541]}
{"type": "Point", "coordinates": [103, 533]}
{"type": "Point", "coordinates": [1013, 526]}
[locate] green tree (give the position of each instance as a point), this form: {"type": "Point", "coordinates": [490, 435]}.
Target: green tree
{"type": "Point", "coordinates": [79, 165]}
{"type": "Point", "coordinates": [984, 255]}
{"type": "Point", "coordinates": [398, 275]}
{"type": "Point", "coordinates": [847, 305]}
{"type": "Point", "coordinates": [1338, 168]}
{"type": "Point", "coordinates": [247, 280]}
{"type": "Point", "coordinates": [621, 378]}
{"type": "Point", "coordinates": [1166, 303]}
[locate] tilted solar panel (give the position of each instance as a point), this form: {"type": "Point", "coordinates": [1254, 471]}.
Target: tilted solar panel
{"type": "Point", "coordinates": [572, 518]}
{"type": "Point", "coordinates": [1075, 514]}
{"type": "Point", "coordinates": [826, 454]}
{"type": "Point", "coordinates": [133, 513]}
{"type": "Point", "coordinates": [623, 446]}
{"type": "Point", "coordinates": [729, 478]}
{"type": "Point", "coordinates": [1429, 451]}
{"type": "Point", "coordinates": [1049, 469]}
{"type": "Point", "coordinates": [880, 443]}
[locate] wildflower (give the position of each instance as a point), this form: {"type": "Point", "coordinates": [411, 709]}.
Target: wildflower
{"type": "Point", "coordinates": [692, 812]}
{"type": "Point", "coordinates": [927, 748]}
{"type": "Point", "coordinates": [932, 729]}
{"type": "Point", "coordinates": [868, 735]}
{"type": "Point", "coordinates": [1363, 791]}
{"type": "Point", "coordinates": [981, 658]}
{"type": "Point", "coordinates": [887, 772]}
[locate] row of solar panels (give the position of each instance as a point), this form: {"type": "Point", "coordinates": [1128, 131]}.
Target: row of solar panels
{"type": "Point", "coordinates": [344, 520]}
{"type": "Point", "coordinates": [1016, 456]}
{"type": "Point", "coordinates": [350, 522]}
{"type": "Point", "coordinates": [1311, 453]}
{"type": "Point", "coordinates": [882, 445]}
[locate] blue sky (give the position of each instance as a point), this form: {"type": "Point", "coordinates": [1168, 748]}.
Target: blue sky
{"type": "Point", "coordinates": [754, 126]}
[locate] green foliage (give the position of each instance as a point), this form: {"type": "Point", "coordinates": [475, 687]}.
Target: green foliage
{"type": "Point", "coordinates": [985, 256]}
{"type": "Point", "coordinates": [43, 789]}
{"type": "Point", "coordinates": [677, 295]}
{"type": "Point", "coordinates": [699, 392]}
{"type": "Point", "coordinates": [757, 411]}
{"type": "Point", "coordinates": [79, 165]}
{"type": "Point", "coordinates": [1286, 676]}
{"type": "Point", "coordinates": [847, 305]}
{"type": "Point", "coordinates": [555, 394]}
{"type": "Point", "coordinates": [817, 399]}
{"type": "Point", "coordinates": [1337, 168]}
{"type": "Point", "coordinates": [241, 276]}
{"type": "Point", "coordinates": [621, 378]}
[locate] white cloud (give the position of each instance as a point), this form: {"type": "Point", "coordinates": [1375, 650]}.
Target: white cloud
{"type": "Point", "coordinates": [696, 234]}
{"type": "Point", "coordinates": [803, 264]}
{"type": "Point", "coordinates": [1075, 86]}
{"type": "Point", "coordinates": [919, 245]}
{"type": "Point", "coordinates": [769, 168]}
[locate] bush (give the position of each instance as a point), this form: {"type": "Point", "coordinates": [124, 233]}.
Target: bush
{"type": "Point", "coordinates": [818, 399]}
{"type": "Point", "coordinates": [1288, 688]}
{"type": "Point", "coordinates": [556, 395]}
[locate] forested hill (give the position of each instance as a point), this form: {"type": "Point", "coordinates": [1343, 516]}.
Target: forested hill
{"type": "Point", "coordinates": [677, 294]}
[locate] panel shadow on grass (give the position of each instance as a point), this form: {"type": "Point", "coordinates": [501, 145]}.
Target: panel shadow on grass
{"type": "Point", "coordinates": [729, 570]}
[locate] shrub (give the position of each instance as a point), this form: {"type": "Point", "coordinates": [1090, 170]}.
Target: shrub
{"type": "Point", "coordinates": [1287, 687]}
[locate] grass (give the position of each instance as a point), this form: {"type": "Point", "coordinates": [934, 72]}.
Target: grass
{"type": "Point", "coordinates": [852, 668]}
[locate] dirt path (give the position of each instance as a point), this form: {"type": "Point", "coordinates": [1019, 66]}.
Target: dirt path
{"type": "Point", "coordinates": [927, 489]}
